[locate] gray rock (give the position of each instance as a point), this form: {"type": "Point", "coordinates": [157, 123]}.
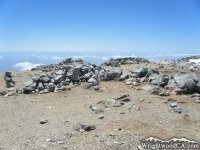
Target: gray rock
{"type": "Point", "coordinates": [108, 102]}
{"type": "Point", "coordinates": [113, 74]}
{"type": "Point", "coordinates": [10, 93]}
{"type": "Point", "coordinates": [29, 86]}
{"type": "Point", "coordinates": [173, 105]}
{"type": "Point", "coordinates": [93, 81]}
{"type": "Point", "coordinates": [87, 85]}
{"type": "Point", "coordinates": [60, 72]}
{"type": "Point", "coordinates": [51, 87]}
{"type": "Point", "coordinates": [35, 79]}
{"type": "Point", "coordinates": [73, 73]}
{"type": "Point", "coordinates": [96, 88]}
{"type": "Point", "coordinates": [58, 79]}
{"type": "Point", "coordinates": [40, 87]}
{"type": "Point", "coordinates": [186, 81]}
{"type": "Point", "coordinates": [154, 89]}
{"type": "Point", "coordinates": [43, 121]}
{"type": "Point", "coordinates": [128, 105]}
{"type": "Point", "coordinates": [2, 93]}
{"type": "Point", "coordinates": [150, 72]}
{"type": "Point", "coordinates": [141, 72]}
{"type": "Point", "coordinates": [86, 127]}
{"type": "Point", "coordinates": [198, 101]}
{"type": "Point", "coordinates": [63, 88]}
{"type": "Point", "coordinates": [125, 75]}
{"type": "Point", "coordinates": [10, 84]}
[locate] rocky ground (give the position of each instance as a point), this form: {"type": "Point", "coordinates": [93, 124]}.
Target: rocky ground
{"type": "Point", "coordinates": [56, 120]}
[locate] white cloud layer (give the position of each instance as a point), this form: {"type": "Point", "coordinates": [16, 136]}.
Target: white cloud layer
{"type": "Point", "coordinates": [54, 57]}
{"type": "Point", "coordinates": [25, 65]}
{"type": "Point", "coordinates": [115, 56]}
{"type": "Point", "coordinates": [1, 57]}
{"type": "Point", "coordinates": [82, 56]}
{"type": "Point", "coordinates": [173, 55]}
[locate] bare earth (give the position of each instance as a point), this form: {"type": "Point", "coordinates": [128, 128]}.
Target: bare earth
{"type": "Point", "coordinates": [151, 115]}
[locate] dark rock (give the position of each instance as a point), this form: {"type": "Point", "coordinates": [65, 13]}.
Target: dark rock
{"type": "Point", "coordinates": [141, 72]}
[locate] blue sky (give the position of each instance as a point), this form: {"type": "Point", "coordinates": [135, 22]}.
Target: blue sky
{"type": "Point", "coordinates": [100, 27]}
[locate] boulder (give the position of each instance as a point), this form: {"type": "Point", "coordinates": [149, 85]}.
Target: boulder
{"type": "Point", "coordinates": [73, 73]}
{"type": "Point", "coordinates": [140, 72]}
{"type": "Point", "coordinates": [29, 87]}
{"type": "Point", "coordinates": [113, 74]}
{"type": "Point", "coordinates": [186, 81]}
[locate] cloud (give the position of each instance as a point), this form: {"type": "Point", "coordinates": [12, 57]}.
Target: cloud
{"type": "Point", "coordinates": [54, 57]}
{"type": "Point", "coordinates": [115, 56]}
{"type": "Point", "coordinates": [172, 55]}
{"type": "Point", "coordinates": [25, 65]}
{"type": "Point", "coordinates": [119, 56]}
{"type": "Point", "coordinates": [1, 57]}
{"type": "Point", "coordinates": [105, 58]}
{"type": "Point", "coordinates": [81, 56]}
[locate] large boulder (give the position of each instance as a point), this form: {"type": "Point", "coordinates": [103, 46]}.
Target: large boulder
{"type": "Point", "coordinates": [140, 72]}
{"type": "Point", "coordinates": [186, 80]}
{"type": "Point", "coordinates": [29, 86]}
{"type": "Point", "coordinates": [73, 73]}
{"type": "Point", "coordinates": [113, 74]}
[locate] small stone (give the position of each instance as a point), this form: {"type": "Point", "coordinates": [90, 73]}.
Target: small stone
{"type": "Point", "coordinates": [43, 121]}
{"type": "Point", "coordinates": [198, 101]}
{"type": "Point", "coordinates": [48, 140]}
{"type": "Point", "coordinates": [101, 117]}
{"type": "Point", "coordinates": [173, 105]}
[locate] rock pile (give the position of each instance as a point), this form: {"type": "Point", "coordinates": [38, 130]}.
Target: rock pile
{"type": "Point", "coordinates": [125, 60]}
{"type": "Point", "coordinates": [70, 73]}
{"type": "Point", "coordinates": [182, 82]}
{"type": "Point", "coordinates": [8, 79]}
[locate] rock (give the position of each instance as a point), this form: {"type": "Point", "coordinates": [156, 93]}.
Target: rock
{"type": "Point", "coordinates": [173, 105]}
{"type": "Point", "coordinates": [29, 87]}
{"type": "Point", "coordinates": [73, 73]}
{"type": "Point", "coordinates": [87, 85]}
{"type": "Point", "coordinates": [108, 102]}
{"type": "Point", "coordinates": [63, 88]}
{"type": "Point", "coordinates": [154, 89]}
{"type": "Point", "coordinates": [151, 72]}
{"type": "Point", "coordinates": [40, 87]}
{"type": "Point", "coordinates": [125, 75]}
{"type": "Point", "coordinates": [198, 101]}
{"type": "Point", "coordinates": [43, 121]}
{"type": "Point", "coordinates": [101, 117]}
{"type": "Point", "coordinates": [2, 93]}
{"type": "Point", "coordinates": [128, 105]}
{"type": "Point", "coordinates": [186, 81]}
{"type": "Point", "coordinates": [197, 88]}
{"type": "Point", "coordinates": [11, 93]}
{"type": "Point", "coordinates": [86, 127]}
{"type": "Point", "coordinates": [51, 87]}
{"type": "Point", "coordinates": [122, 96]}
{"type": "Point", "coordinates": [58, 78]}
{"type": "Point", "coordinates": [93, 81]}
{"type": "Point", "coordinates": [8, 79]}
{"type": "Point", "coordinates": [113, 74]}
{"type": "Point", "coordinates": [141, 72]}
{"type": "Point", "coordinates": [96, 88]}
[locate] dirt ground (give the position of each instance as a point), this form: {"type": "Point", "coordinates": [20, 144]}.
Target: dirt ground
{"type": "Point", "coordinates": [151, 115]}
